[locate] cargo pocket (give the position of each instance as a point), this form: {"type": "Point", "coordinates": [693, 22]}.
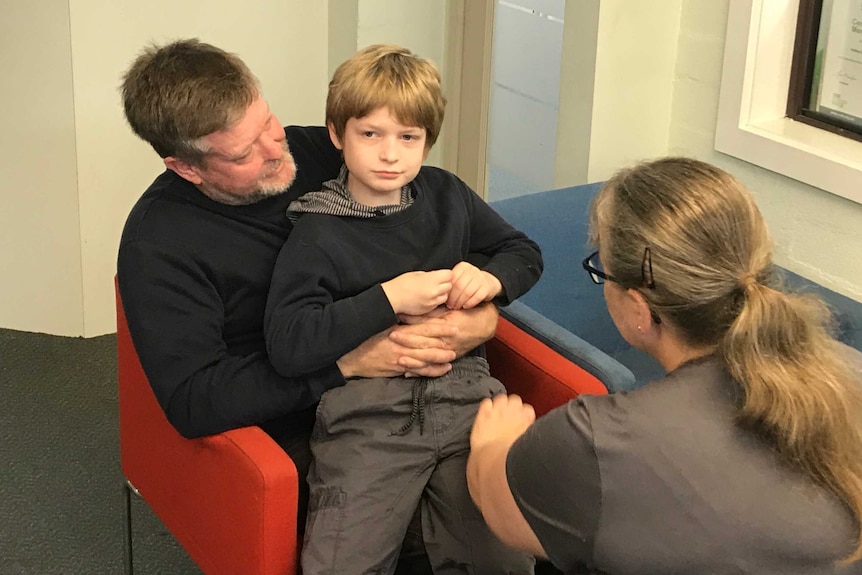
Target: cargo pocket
{"type": "Point", "coordinates": [325, 522]}
{"type": "Point", "coordinates": [319, 427]}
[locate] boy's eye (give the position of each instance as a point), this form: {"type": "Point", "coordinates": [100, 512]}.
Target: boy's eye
{"type": "Point", "coordinates": [368, 134]}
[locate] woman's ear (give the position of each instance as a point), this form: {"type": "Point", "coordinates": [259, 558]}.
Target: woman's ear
{"type": "Point", "coordinates": [643, 312]}
{"type": "Point", "coordinates": [333, 136]}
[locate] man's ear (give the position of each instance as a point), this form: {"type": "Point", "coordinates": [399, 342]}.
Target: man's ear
{"type": "Point", "coordinates": [184, 170]}
{"type": "Point", "coordinates": [336, 141]}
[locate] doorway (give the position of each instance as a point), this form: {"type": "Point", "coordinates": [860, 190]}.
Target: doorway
{"type": "Point", "coordinates": [524, 96]}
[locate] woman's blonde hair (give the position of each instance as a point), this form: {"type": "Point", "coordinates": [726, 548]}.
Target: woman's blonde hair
{"type": "Point", "coordinates": [386, 75]}
{"type": "Point", "coordinates": [714, 281]}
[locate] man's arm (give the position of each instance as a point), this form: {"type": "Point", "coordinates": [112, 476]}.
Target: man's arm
{"type": "Point", "coordinates": [457, 330]}
{"type": "Point", "coordinates": [498, 424]}
{"type": "Point", "coordinates": [381, 356]}
{"type": "Point", "coordinates": [176, 318]}
{"type": "Point", "coordinates": [423, 346]}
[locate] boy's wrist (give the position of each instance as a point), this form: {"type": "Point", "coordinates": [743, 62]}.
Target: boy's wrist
{"type": "Point", "coordinates": [496, 285]}
{"type": "Point", "coordinates": [389, 291]}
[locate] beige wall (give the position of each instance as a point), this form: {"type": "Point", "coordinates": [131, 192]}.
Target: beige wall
{"type": "Point", "coordinates": [616, 85]}
{"type": "Point", "coordinates": [641, 80]}
{"type": "Point", "coordinates": [40, 247]}
{"type": "Point", "coordinates": [70, 166]}
{"type": "Point", "coordinates": [817, 234]}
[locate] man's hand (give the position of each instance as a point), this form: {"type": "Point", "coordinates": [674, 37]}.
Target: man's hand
{"type": "Point", "coordinates": [426, 354]}
{"type": "Point", "coordinates": [474, 327]}
{"type": "Point", "coordinates": [471, 286]}
{"type": "Point", "coordinates": [424, 345]}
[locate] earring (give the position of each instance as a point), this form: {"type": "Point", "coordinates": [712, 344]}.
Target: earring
{"type": "Point", "coordinates": [640, 328]}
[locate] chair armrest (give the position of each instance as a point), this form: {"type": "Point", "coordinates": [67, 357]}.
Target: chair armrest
{"type": "Point", "coordinates": [245, 504]}
{"type": "Point", "coordinates": [229, 499]}
{"type": "Point", "coordinates": [614, 375]}
{"type": "Point", "coordinates": [541, 376]}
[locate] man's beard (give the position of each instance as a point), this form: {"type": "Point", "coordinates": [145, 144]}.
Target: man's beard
{"type": "Point", "coordinates": [262, 191]}
{"type": "Point", "coordinates": [265, 190]}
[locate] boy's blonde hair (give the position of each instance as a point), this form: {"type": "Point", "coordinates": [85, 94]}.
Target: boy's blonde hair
{"type": "Point", "coordinates": [390, 76]}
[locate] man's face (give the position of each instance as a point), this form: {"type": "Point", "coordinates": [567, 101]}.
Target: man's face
{"type": "Point", "coordinates": [381, 154]}
{"type": "Point", "coordinates": [248, 161]}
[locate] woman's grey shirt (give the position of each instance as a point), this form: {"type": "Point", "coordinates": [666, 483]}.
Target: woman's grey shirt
{"type": "Point", "coordinates": [663, 480]}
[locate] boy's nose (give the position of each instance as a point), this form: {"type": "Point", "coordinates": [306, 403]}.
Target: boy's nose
{"type": "Point", "coordinates": [388, 151]}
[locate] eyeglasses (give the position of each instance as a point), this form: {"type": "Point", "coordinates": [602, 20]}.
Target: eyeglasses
{"type": "Point", "coordinates": [593, 265]}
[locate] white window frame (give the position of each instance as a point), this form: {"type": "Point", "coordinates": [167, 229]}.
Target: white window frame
{"type": "Point", "coordinates": [752, 125]}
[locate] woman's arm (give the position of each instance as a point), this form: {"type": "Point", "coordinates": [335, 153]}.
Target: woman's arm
{"type": "Point", "coordinates": [498, 424]}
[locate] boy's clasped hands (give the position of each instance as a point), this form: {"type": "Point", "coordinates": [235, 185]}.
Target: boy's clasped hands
{"type": "Point", "coordinates": [463, 287]}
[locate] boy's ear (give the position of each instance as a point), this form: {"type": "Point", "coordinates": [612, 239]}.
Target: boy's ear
{"type": "Point", "coordinates": [336, 141]}
{"type": "Point", "coordinates": [184, 170]}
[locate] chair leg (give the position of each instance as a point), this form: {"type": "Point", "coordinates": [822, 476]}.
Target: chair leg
{"type": "Point", "coordinates": [128, 489]}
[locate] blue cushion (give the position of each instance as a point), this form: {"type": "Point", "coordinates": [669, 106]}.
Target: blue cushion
{"type": "Point", "coordinates": [565, 295]}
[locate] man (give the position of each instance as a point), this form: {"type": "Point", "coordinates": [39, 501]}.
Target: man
{"type": "Point", "coordinates": [198, 249]}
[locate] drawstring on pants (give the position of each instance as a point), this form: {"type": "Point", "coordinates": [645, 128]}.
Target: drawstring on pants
{"type": "Point", "coordinates": [418, 411]}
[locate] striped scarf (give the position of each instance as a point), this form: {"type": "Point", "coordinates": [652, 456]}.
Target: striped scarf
{"type": "Point", "coordinates": [335, 200]}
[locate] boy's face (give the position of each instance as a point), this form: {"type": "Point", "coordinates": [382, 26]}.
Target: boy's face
{"type": "Point", "coordinates": [382, 156]}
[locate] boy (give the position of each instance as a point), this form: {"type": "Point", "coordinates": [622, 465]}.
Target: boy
{"type": "Point", "coordinates": [348, 271]}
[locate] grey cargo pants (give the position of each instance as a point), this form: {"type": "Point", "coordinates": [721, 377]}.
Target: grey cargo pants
{"type": "Point", "coordinates": [383, 446]}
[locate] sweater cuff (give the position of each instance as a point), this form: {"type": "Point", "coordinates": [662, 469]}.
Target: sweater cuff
{"type": "Point", "coordinates": [374, 311]}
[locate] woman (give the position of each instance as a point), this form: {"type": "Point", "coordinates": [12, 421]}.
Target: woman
{"type": "Point", "coordinates": [745, 458]}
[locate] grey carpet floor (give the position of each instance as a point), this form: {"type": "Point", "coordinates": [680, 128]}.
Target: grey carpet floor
{"type": "Point", "coordinates": [61, 502]}
{"type": "Point", "coordinates": [60, 479]}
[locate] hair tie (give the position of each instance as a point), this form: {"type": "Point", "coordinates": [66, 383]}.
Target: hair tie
{"type": "Point", "coordinates": [748, 281]}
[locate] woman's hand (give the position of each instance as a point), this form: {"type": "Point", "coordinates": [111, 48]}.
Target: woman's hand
{"type": "Point", "coordinates": [499, 423]}
{"type": "Point", "coordinates": [502, 419]}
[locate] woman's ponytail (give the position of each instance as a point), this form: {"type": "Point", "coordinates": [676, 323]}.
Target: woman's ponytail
{"type": "Point", "coordinates": [799, 393]}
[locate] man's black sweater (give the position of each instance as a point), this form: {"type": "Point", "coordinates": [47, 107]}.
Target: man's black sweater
{"type": "Point", "coordinates": [194, 276]}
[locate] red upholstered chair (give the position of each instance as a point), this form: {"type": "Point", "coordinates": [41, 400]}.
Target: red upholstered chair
{"type": "Point", "coordinates": [230, 499]}
{"type": "Point", "coordinates": [541, 376]}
